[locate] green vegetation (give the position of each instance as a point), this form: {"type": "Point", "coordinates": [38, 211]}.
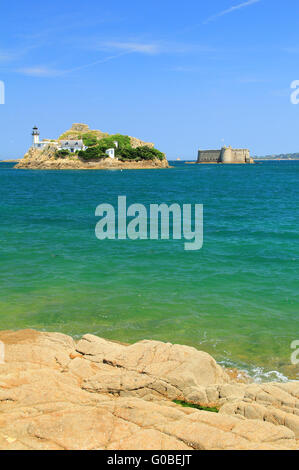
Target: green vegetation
{"type": "Point", "coordinates": [98, 143]}
{"type": "Point", "coordinates": [62, 154]}
{"type": "Point", "coordinates": [89, 140]}
{"type": "Point", "coordinates": [92, 153]}
{"type": "Point", "coordinates": [124, 152]}
{"type": "Point", "coordinates": [124, 142]}
{"type": "Point", "coordinates": [75, 135]}
{"type": "Point", "coordinates": [140, 153]}
{"type": "Point", "coordinates": [198, 407]}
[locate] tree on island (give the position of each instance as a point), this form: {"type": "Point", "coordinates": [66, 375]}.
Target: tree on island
{"type": "Point", "coordinates": [123, 151]}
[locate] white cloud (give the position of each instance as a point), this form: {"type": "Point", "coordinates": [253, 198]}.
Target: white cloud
{"type": "Point", "coordinates": [45, 71]}
{"type": "Point", "coordinates": [144, 48]}
{"type": "Point", "coordinates": [12, 55]}
{"type": "Point", "coordinates": [231, 9]}
{"type": "Point", "coordinates": [152, 48]}
{"type": "Point", "coordinates": [187, 69]}
{"type": "Point", "coordinates": [120, 49]}
{"type": "Point", "coordinates": [40, 71]}
{"type": "Point", "coordinates": [280, 93]}
{"type": "Point", "coordinates": [97, 62]}
{"type": "Point", "coordinates": [6, 56]}
{"type": "Point", "coordinates": [252, 80]}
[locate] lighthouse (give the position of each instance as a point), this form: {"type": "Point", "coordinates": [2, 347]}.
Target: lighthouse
{"type": "Point", "coordinates": [35, 136]}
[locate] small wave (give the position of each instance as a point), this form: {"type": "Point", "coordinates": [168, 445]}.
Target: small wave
{"type": "Point", "coordinates": [260, 375]}
{"type": "Point", "coordinates": [257, 374]}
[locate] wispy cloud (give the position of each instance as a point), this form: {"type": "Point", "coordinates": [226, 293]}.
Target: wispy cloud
{"type": "Point", "coordinates": [97, 62]}
{"type": "Point", "coordinates": [280, 93]}
{"type": "Point", "coordinates": [231, 10]}
{"type": "Point", "coordinates": [291, 49]}
{"type": "Point", "coordinates": [252, 80]}
{"type": "Point", "coordinates": [143, 48]}
{"type": "Point", "coordinates": [123, 48]}
{"type": "Point", "coordinates": [8, 56]}
{"type": "Point", "coordinates": [118, 48]}
{"type": "Point", "coordinates": [45, 71]}
{"type": "Point", "coordinates": [185, 69]}
{"type": "Point", "coordinates": [13, 55]}
{"type": "Point", "coordinates": [62, 26]}
{"type": "Point", "coordinates": [40, 71]}
{"type": "Point", "coordinates": [4, 57]}
{"type": "Point", "coordinates": [152, 48]}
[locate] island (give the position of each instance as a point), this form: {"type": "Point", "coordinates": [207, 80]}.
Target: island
{"type": "Point", "coordinates": [82, 148]}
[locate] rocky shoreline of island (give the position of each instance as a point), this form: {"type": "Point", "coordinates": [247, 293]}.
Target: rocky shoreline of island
{"type": "Point", "coordinates": [77, 164]}
{"type": "Point", "coordinates": [81, 148]}
{"type": "Point", "coordinates": [93, 393]}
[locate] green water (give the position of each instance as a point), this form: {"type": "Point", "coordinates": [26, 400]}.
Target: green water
{"type": "Point", "coordinates": [236, 298]}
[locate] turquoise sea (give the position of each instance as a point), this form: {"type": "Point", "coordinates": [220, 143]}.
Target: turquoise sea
{"type": "Point", "coordinates": [237, 298]}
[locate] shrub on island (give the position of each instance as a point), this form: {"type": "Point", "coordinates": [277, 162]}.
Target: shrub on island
{"type": "Point", "coordinates": [92, 153]}
{"type": "Point", "coordinates": [139, 153]}
{"type": "Point", "coordinates": [106, 142]}
{"type": "Point", "coordinates": [89, 140]}
{"type": "Point", "coordinates": [123, 141]}
{"type": "Point", "coordinates": [62, 153]}
{"type": "Point", "coordinates": [124, 152]}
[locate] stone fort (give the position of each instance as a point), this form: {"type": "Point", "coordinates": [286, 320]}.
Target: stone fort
{"type": "Point", "coordinates": [224, 155]}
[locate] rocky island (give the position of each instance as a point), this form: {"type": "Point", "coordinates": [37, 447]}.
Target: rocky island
{"type": "Point", "coordinates": [61, 394]}
{"type": "Point", "coordinates": [81, 148]}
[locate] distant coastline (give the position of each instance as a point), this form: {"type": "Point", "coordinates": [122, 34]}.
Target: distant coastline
{"type": "Point", "coordinates": [277, 159]}
{"type": "Point", "coordinates": [281, 156]}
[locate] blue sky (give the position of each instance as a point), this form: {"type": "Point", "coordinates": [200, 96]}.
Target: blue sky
{"type": "Point", "coordinates": [185, 75]}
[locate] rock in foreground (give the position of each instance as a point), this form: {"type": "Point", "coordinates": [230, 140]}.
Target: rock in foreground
{"type": "Point", "coordinates": [97, 394]}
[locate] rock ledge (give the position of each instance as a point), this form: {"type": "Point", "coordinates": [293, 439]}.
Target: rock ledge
{"type": "Point", "coordinates": [56, 393]}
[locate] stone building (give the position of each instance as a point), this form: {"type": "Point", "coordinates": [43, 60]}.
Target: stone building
{"type": "Point", "coordinates": [224, 155]}
{"type": "Point", "coordinates": [71, 145]}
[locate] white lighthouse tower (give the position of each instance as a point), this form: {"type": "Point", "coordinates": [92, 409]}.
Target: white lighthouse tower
{"type": "Point", "coordinates": [35, 136]}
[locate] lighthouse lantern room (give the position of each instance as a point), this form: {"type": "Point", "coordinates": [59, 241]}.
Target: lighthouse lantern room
{"type": "Point", "coordinates": [35, 136]}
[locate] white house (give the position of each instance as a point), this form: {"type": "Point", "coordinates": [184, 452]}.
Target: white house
{"type": "Point", "coordinates": [110, 153]}
{"type": "Point", "coordinates": [71, 145]}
